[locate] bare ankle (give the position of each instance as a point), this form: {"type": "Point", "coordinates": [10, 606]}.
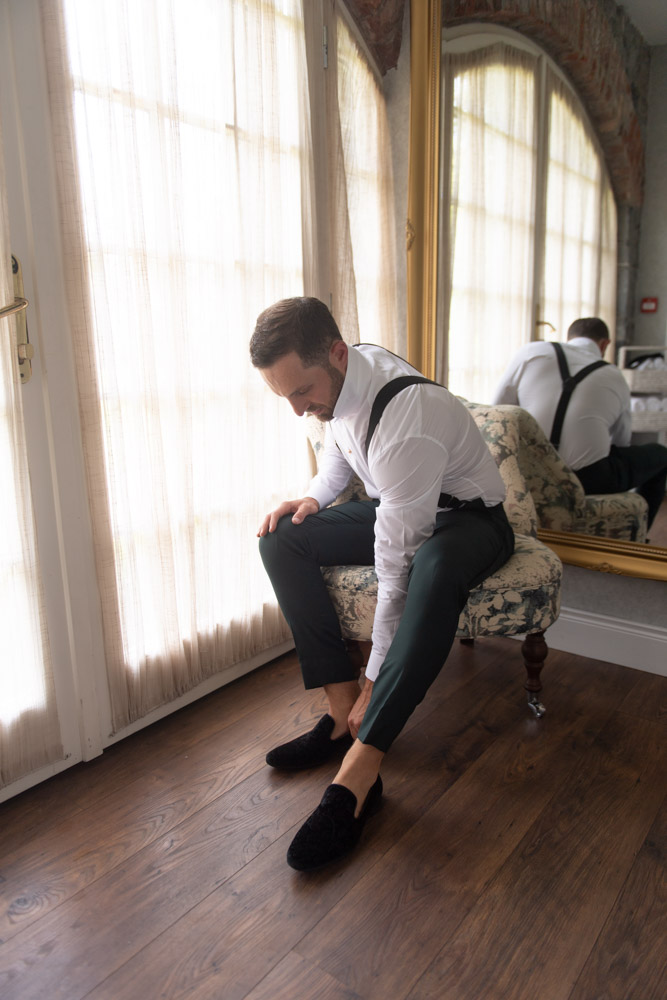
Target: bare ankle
{"type": "Point", "coordinates": [342, 698]}
{"type": "Point", "coordinates": [359, 771]}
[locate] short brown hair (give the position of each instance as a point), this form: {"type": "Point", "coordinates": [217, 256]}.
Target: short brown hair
{"type": "Point", "coordinates": [591, 327]}
{"type": "Point", "coordinates": [304, 325]}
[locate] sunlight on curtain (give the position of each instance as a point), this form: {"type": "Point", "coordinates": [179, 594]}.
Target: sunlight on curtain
{"type": "Point", "coordinates": [182, 211]}
{"type": "Point", "coordinates": [29, 731]}
{"type": "Point", "coordinates": [369, 189]}
{"type": "Point", "coordinates": [488, 254]}
{"type": "Point", "coordinates": [580, 242]}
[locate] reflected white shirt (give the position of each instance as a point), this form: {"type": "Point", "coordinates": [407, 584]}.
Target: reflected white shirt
{"type": "Point", "coordinates": [425, 444]}
{"type": "Point", "coordinates": [598, 414]}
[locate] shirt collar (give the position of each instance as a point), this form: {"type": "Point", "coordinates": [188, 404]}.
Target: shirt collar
{"type": "Point", "coordinates": [586, 344]}
{"type": "Point", "coordinates": [356, 386]}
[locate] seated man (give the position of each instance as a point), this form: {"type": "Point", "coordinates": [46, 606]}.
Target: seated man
{"type": "Point", "coordinates": [434, 528]}
{"type": "Point", "coordinates": [592, 430]}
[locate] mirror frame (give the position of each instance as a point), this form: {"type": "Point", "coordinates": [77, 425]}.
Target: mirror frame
{"type": "Point", "coordinates": [604, 555]}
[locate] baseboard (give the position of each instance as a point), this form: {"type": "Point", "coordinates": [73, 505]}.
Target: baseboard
{"type": "Point", "coordinates": [28, 781]}
{"type": "Point", "coordinates": [630, 644]}
{"type": "Point", "coordinates": [206, 687]}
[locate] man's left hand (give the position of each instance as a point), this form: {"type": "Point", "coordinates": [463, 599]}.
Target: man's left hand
{"type": "Point", "coordinates": [356, 716]}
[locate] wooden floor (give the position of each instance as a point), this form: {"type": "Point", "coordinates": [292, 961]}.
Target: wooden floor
{"type": "Point", "coordinates": [512, 858]}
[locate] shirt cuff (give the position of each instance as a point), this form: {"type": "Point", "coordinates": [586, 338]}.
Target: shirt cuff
{"type": "Point", "coordinates": [321, 493]}
{"type": "Point", "coordinates": [375, 661]}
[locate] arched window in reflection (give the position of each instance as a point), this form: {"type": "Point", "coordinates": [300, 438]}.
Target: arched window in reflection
{"type": "Point", "coordinates": [528, 238]}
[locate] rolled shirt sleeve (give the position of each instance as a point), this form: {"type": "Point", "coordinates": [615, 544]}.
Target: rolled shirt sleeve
{"type": "Point", "coordinates": [409, 478]}
{"type": "Point", "coordinates": [334, 473]}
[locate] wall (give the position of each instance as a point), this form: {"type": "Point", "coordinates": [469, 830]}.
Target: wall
{"type": "Point", "coordinates": [652, 276]}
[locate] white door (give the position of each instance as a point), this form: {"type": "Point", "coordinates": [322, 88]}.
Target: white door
{"type": "Point", "coordinates": [49, 400]}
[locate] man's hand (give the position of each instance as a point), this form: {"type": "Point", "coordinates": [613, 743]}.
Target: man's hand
{"type": "Point", "coordinates": [300, 509]}
{"type": "Point", "coordinates": [356, 716]}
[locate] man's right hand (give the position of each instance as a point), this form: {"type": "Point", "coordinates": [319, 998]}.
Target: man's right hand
{"type": "Point", "coordinates": [300, 509]}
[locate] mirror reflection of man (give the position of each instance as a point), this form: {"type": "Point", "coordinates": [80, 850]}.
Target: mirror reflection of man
{"type": "Point", "coordinates": [595, 430]}
{"type": "Point", "coordinates": [434, 529]}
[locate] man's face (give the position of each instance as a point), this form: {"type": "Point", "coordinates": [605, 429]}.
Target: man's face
{"type": "Point", "coordinates": [313, 390]}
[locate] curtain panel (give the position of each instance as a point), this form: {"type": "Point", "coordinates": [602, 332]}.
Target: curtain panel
{"type": "Point", "coordinates": [579, 276]}
{"type": "Point", "coordinates": [488, 240]}
{"type": "Point", "coordinates": [191, 165]}
{"type": "Point", "coordinates": [179, 155]}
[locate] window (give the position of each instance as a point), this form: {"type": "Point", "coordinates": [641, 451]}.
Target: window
{"type": "Point", "coordinates": [529, 225]}
{"type": "Point", "coordinates": [183, 134]}
{"type": "Point", "coordinates": [369, 186]}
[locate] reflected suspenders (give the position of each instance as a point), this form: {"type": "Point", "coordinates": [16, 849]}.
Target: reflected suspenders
{"type": "Point", "coordinates": [570, 382]}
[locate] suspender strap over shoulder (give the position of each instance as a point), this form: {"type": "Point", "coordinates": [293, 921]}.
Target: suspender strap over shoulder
{"type": "Point", "coordinates": [384, 396]}
{"type": "Point", "coordinates": [570, 382]}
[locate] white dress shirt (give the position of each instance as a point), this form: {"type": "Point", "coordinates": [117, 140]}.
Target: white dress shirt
{"type": "Point", "coordinates": [598, 414]}
{"type": "Point", "coordinates": [426, 443]}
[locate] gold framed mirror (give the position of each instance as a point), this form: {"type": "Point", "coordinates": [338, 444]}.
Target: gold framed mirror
{"type": "Point", "coordinates": [422, 237]}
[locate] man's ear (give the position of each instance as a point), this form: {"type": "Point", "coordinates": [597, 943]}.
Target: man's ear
{"type": "Point", "coordinates": [338, 355]}
{"type": "Point", "coordinates": [604, 344]}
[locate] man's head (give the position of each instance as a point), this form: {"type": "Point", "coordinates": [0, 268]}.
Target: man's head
{"type": "Point", "coordinates": [593, 328]}
{"type": "Point", "coordinates": [301, 355]}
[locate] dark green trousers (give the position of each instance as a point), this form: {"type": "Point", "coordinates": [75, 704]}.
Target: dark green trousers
{"type": "Point", "coordinates": [466, 547]}
{"type": "Point", "coordinates": [641, 466]}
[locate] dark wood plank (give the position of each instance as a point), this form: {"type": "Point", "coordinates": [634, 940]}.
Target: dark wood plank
{"type": "Point", "coordinates": [384, 934]}
{"type": "Point", "coordinates": [630, 956]}
{"type": "Point", "coordinates": [386, 931]}
{"type": "Point", "coordinates": [159, 870]}
{"type": "Point", "coordinates": [532, 930]}
{"type": "Point", "coordinates": [648, 698]}
{"type": "Point", "coordinates": [164, 792]}
{"type": "Point", "coordinates": [67, 952]}
{"type": "Point", "coordinates": [67, 856]}
{"type": "Point", "coordinates": [89, 783]}
{"type": "Point", "coordinates": [198, 935]}
{"type": "Point", "coordinates": [295, 978]}
{"type": "Point", "coordinates": [226, 945]}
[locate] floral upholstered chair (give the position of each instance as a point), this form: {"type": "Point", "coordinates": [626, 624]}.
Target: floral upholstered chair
{"type": "Point", "coordinates": [560, 501]}
{"type": "Point", "coordinates": [522, 598]}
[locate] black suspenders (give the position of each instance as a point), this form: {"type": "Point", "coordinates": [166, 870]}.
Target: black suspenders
{"type": "Point", "coordinates": [384, 396]}
{"type": "Point", "coordinates": [570, 382]}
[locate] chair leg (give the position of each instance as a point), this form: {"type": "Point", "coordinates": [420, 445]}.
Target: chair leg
{"type": "Point", "coordinates": [535, 651]}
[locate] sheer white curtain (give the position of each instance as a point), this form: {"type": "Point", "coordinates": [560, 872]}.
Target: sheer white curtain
{"type": "Point", "coordinates": [368, 190]}
{"type": "Point", "coordinates": [489, 239]}
{"type": "Point", "coordinates": [181, 215]}
{"type": "Point", "coordinates": [529, 218]}
{"type": "Point", "coordinates": [29, 730]}
{"type": "Point", "coordinates": [580, 239]}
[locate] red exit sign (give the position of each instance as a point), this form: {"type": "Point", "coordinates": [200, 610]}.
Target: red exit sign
{"type": "Point", "coordinates": [648, 305]}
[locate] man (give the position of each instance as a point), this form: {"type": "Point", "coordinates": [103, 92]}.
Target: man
{"type": "Point", "coordinates": [434, 528]}
{"type": "Point", "coordinates": [595, 431]}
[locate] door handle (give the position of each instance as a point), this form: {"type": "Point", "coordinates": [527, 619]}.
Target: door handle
{"type": "Point", "coordinates": [24, 348]}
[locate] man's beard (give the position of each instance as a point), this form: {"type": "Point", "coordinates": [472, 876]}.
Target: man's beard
{"type": "Point", "coordinates": [337, 379]}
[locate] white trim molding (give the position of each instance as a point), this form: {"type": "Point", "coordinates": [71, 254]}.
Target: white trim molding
{"type": "Point", "coordinates": [630, 644]}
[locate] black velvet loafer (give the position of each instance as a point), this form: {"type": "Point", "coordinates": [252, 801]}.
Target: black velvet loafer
{"type": "Point", "coordinates": [311, 749]}
{"type": "Point", "coordinates": [332, 830]}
